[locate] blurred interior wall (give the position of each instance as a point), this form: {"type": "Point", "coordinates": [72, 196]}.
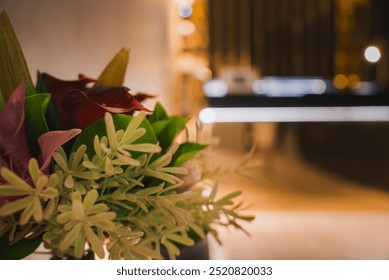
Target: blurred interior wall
{"type": "Point", "coordinates": [68, 37]}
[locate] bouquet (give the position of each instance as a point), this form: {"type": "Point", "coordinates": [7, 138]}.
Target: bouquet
{"type": "Point", "coordinates": [87, 169]}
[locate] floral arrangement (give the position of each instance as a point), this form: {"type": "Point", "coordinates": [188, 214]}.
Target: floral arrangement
{"type": "Point", "coordinates": [85, 167]}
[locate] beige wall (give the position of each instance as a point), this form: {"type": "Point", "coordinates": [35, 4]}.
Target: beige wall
{"type": "Point", "coordinates": [67, 37]}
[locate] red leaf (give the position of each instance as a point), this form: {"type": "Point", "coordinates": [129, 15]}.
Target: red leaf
{"type": "Point", "coordinates": [84, 108]}
{"type": "Point", "coordinates": [59, 89]}
{"type": "Point", "coordinates": [141, 96]}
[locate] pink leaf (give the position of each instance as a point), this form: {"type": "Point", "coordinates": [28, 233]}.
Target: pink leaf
{"type": "Point", "coordinates": [13, 139]}
{"type": "Point", "coordinates": [50, 142]}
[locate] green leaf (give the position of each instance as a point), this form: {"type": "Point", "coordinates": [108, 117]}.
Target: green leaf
{"type": "Point", "coordinates": [158, 114]}
{"type": "Point", "coordinates": [172, 250]}
{"type": "Point", "coordinates": [185, 152]}
{"type": "Point", "coordinates": [159, 126]}
{"type": "Point", "coordinates": [196, 232]}
{"type": "Point", "coordinates": [52, 119]}
{"type": "Point", "coordinates": [175, 126]}
{"type": "Point", "coordinates": [184, 240]}
{"type": "Point", "coordinates": [35, 121]}
{"type": "Point", "coordinates": [227, 198]}
{"type": "Point", "coordinates": [20, 249]}
{"type": "Point", "coordinates": [166, 128]}
{"type": "Point", "coordinates": [144, 251]}
{"type": "Point", "coordinates": [13, 66]}
{"type": "Point", "coordinates": [113, 74]}
{"type": "Point", "coordinates": [121, 122]}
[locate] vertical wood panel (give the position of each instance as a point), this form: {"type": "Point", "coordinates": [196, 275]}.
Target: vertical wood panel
{"type": "Point", "coordinates": [244, 33]}
{"type": "Point", "coordinates": [297, 34]}
{"type": "Point", "coordinates": [258, 34]}
{"type": "Point", "coordinates": [232, 23]}
{"type": "Point", "coordinates": [217, 23]}
{"type": "Point", "coordinates": [279, 37]}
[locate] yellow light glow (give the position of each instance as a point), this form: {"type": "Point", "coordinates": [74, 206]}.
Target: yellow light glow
{"type": "Point", "coordinates": [354, 81]}
{"type": "Point", "coordinates": [340, 81]}
{"type": "Point", "coordinates": [203, 74]}
{"type": "Point", "coordinates": [372, 54]}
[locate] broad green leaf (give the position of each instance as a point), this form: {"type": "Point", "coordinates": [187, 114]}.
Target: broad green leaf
{"type": "Point", "coordinates": [52, 119]}
{"type": "Point", "coordinates": [159, 114]}
{"type": "Point", "coordinates": [13, 66]}
{"type": "Point", "coordinates": [167, 136]}
{"type": "Point", "coordinates": [20, 249]}
{"type": "Point", "coordinates": [185, 152]}
{"type": "Point", "coordinates": [166, 128]}
{"type": "Point", "coordinates": [113, 74]}
{"type": "Point", "coordinates": [35, 121]}
{"type": "Point", "coordinates": [159, 126]}
{"type": "Point", "coordinates": [87, 136]}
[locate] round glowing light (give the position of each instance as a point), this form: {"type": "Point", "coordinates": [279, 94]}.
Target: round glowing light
{"type": "Point", "coordinates": [215, 88]}
{"type": "Point", "coordinates": [372, 54]}
{"type": "Point", "coordinates": [340, 81]}
{"type": "Point", "coordinates": [319, 86]}
{"type": "Point", "coordinates": [185, 10]}
{"type": "Point", "coordinates": [186, 27]}
{"type": "Point", "coordinates": [207, 116]}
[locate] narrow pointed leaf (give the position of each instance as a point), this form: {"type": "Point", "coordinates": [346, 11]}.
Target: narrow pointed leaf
{"type": "Point", "coordinates": [121, 122]}
{"type": "Point", "coordinates": [15, 206]}
{"type": "Point", "coordinates": [94, 241]}
{"type": "Point", "coordinates": [13, 66]}
{"type": "Point", "coordinates": [113, 74]}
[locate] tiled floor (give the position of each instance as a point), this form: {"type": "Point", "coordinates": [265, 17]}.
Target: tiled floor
{"type": "Point", "coordinates": [303, 213]}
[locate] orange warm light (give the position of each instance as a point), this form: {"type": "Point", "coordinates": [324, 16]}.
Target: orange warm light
{"type": "Point", "coordinates": [340, 81]}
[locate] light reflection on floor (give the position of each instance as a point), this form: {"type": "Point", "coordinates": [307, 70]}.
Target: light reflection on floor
{"type": "Point", "coordinates": [303, 213]}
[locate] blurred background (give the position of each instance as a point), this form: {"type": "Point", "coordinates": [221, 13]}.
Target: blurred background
{"type": "Point", "coordinates": [305, 81]}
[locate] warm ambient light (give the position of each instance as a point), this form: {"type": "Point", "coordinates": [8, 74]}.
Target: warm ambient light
{"type": "Point", "coordinates": [295, 114]}
{"type": "Point", "coordinates": [372, 54]}
{"type": "Point", "coordinates": [340, 81]}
